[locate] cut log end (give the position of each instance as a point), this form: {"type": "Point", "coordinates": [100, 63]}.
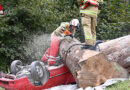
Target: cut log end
{"type": "Point", "coordinates": [97, 69]}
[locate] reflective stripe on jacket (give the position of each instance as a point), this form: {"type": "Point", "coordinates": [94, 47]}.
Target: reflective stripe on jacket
{"type": "Point", "coordinates": [52, 58]}
{"type": "Point", "coordinates": [89, 12]}
{"type": "Point", "coordinates": [89, 37]}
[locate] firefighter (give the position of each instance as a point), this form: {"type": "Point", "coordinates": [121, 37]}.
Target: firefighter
{"type": "Point", "coordinates": [1, 11]}
{"type": "Point", "coordinates": [89, 10]}
{"type": "Point", "coordinates": [64, 29]}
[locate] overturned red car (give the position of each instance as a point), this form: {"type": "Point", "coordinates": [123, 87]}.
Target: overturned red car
{"type": "Point", "coordinates": [36, 76]}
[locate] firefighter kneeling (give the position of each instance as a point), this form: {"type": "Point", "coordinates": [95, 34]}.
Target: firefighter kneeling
{"type": "Point", "coordinates": [65, 29]}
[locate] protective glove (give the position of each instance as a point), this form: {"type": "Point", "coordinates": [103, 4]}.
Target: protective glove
{"type": "Point", "coordinates": [69, 36]}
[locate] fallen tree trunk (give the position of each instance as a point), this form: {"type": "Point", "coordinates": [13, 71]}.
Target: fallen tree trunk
{"type": "Point", "coordinates": [89, 68]}
{"type": "Point", "coordinates": [115, 45]}
{"type": "Point", "coordinates": [117, 50]}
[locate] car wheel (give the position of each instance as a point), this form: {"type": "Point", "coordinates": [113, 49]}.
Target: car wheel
{"type": "Point", "coordinates": [15, 66]}
{"type": "Point", "coordinates": [46, 74]}
{"type": "Point", "coordinates": [39, 72]}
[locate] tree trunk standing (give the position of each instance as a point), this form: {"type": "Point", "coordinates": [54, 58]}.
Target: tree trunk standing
{"type": "Point", "coordinates": [89, 68]}
{"type": "Point", "coordinates": [117, 50]}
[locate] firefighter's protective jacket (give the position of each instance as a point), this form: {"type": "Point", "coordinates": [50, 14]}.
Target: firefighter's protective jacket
{"type": "Point", "coordinates": [91, 7]}
{"type": "Point", "coordinates": [59, 32]}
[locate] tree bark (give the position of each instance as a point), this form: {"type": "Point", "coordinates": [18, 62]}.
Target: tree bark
{"type": "Point", "coordinates": [120, 56]}
{"type": "Point", "coordinates": [117, 50]}
{"type": "Point", "coordinates": [115, 45]}
{"type": "Point", "coordinates": [126, 63]}
{"type": "Point", "coordinates": [89, 68]}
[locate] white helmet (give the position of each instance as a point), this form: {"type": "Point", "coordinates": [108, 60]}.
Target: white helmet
{"type": "Point", "coordinates": [74, 22]}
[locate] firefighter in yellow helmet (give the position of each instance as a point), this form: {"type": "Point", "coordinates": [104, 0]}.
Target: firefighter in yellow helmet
{"type": "Point", "coordinates": [89, 10]}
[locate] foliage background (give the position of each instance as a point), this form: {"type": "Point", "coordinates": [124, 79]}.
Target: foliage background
{"type": "Point", "coordinates": [25, 28]}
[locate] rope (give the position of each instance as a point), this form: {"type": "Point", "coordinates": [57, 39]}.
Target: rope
{"type": "Point", "coordinates": [68, 50]}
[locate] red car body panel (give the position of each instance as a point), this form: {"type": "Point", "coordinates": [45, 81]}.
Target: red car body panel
{"type": "Point", "coordinates": [58, 76]}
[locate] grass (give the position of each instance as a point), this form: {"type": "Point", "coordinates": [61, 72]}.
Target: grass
{"type": "Point", "coordinates": [120, 86]}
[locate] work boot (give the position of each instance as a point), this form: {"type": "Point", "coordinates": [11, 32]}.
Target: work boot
{"type": "Point", "coordinates": [96, 44]}
{"type": "Point", "coordinates": [90, 47]}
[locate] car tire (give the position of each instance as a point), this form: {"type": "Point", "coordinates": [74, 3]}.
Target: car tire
{"type": "Point", "coordinates": [39, 72]}
{"type": "Point", "coordinates": [15, 66]}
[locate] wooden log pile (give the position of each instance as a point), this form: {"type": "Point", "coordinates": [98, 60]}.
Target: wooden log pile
{"type": "Point", "coordinates": [89, 68]}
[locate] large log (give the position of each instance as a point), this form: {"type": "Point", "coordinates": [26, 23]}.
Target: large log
{"type": "Point", "coordinates": [115, 45]}
{"type": "Point", "coordinates": [117, 50]}
{"type": "Point", "coordinates": [89, 68]}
